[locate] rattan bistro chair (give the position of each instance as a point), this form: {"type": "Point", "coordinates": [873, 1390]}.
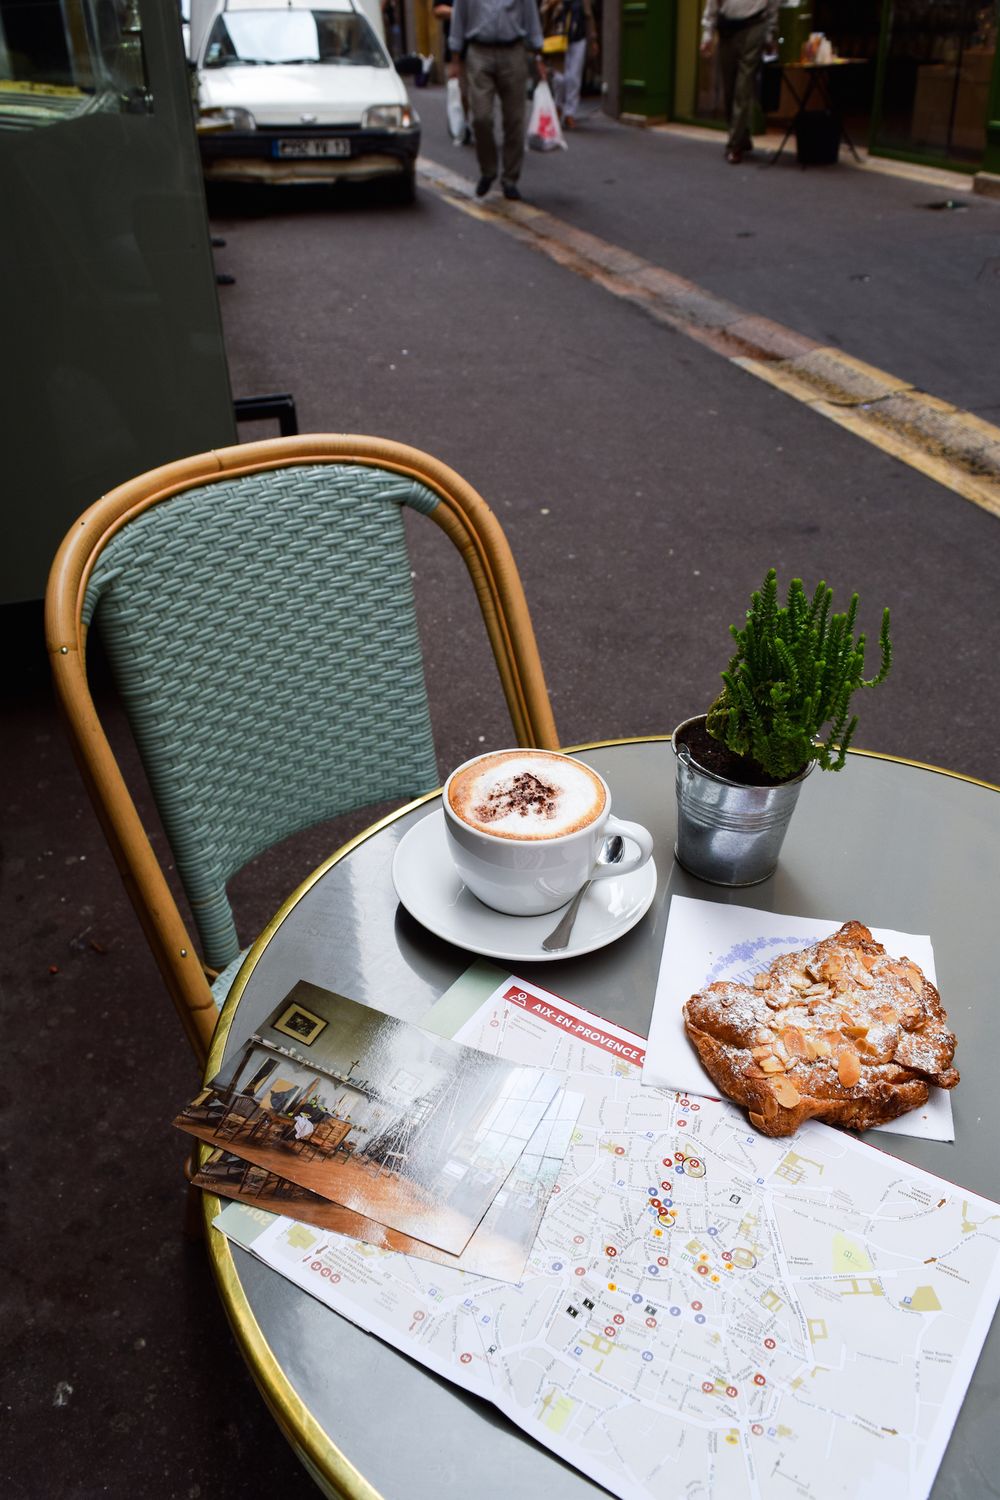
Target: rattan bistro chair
{"type": "Point", "coordinates": [256, 605]}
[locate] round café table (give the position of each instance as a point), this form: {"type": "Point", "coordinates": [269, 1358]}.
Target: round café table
{"type": "Point", "coordinates": [890, 842]}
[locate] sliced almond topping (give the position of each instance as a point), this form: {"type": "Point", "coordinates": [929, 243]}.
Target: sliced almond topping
{"type": "Point", "coordinates": [816, 989]}
{"type": "Point", "coordinates": [848, 1067]}
{"type": "Point", "coordinates": [855, 1030]}
{"type": "Point", "coordinates": [885, 1013]}
{"type": "Point", "coordinates": [757, 1121]}
{"type": "Point", "coordinates": [869, 960]}
{"type": "Point", "coordinates": [773, 1000]}
{"type": "Point", "coordinates": [772, 1065]}
{"type": "Point", "coordinates": [863, 982]}
{"type": "Point", "coordinates": [915, 980]}
{"type": "Point", "coordinates": [786, 1093]}
{"type": "Point", "coordinates": [798, 980]}
{"type": "Point", "coordinates": [794, 1042]}
{"type": "Point", "coordinates": [764, 1050]}
{"type": "Point", "coordinates": [761, 981]}
{"type": "Point", "coordinates": [820, 1046]}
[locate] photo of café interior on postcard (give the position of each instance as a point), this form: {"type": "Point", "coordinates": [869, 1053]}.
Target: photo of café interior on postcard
{"type": "Point", "coordinates": [409, 1129]}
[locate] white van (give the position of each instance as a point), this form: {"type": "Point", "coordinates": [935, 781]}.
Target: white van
{"type": "Point", "coordinates": [300, 91]}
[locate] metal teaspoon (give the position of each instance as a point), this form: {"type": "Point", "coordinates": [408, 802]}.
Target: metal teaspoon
{"type": "Point", "coordinates": [558, 938]}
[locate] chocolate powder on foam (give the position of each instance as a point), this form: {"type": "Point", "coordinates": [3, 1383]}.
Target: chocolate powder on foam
{"type": "Point", "coordinates": [525, 794]}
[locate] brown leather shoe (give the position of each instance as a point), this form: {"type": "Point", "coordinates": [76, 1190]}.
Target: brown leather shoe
{"type": "Point", "coordinates": [569, 123]}
{"type": "Point", "coordinates": [734, 157]}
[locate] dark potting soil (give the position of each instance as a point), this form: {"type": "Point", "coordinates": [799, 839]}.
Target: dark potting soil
{"type": "Point", "coordinates": [712, 755]}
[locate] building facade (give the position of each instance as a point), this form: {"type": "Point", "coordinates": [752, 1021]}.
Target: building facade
{"type": "Point", "coordinates": [925, 85]}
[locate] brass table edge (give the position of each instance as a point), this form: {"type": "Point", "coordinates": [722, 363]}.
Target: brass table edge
{"type": "Point", "coordinates": [307, 1437]}
{"type": "Point", "coordinates": [899, 760]}
{"type": "Point", "coordinates": [310, 1442]}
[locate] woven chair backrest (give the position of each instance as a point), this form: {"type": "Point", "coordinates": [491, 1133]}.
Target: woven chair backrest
{"type": "Point", "coordinates": [263, 637]}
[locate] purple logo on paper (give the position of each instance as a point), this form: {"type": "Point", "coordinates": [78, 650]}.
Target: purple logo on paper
{"type": "Point", "coordinates": [752, 953]}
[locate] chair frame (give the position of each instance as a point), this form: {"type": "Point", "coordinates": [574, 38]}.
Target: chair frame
{"type": "Point", "coordinates": [462, 514]}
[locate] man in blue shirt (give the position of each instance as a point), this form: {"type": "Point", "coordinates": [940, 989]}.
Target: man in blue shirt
{"type": "Point", "coordinates": [495, 38]}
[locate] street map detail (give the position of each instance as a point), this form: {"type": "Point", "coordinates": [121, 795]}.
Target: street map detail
{"type": "Point", "coordinates": [706, 1313]}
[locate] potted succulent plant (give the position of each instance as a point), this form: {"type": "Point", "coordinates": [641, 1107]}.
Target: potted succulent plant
{"type": "Point", "coordinates": [784, 707]}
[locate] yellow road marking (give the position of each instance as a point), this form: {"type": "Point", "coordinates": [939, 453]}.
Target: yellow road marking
{"type": "Point", "coordinates": [955, 448]}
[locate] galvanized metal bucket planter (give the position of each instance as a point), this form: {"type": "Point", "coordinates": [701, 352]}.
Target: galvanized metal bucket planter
{"type": "Point", "coordinates": [727, 833]}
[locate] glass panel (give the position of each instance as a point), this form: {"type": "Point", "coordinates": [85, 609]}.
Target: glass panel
{"type": "Point", "coordinates": [262, 37]}
{"type": "Point", "coordinates": [937, 79]}
{"type": "Point", "coordinates": [64, 58]}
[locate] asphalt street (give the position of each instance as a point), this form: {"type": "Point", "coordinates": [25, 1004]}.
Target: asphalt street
{"type": "Point", "coordinates": [646, 484]}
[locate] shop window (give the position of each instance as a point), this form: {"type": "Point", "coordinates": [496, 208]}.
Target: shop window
{"type": "Point", "coordinates": [938, 69]}
{"type": "Point", "coordinates": [64, 58]}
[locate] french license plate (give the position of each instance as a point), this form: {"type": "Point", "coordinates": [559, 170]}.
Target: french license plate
{"type": "Point", "coordinates": [314, 145]}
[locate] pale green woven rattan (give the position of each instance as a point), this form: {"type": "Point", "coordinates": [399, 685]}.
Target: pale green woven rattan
{"type": "Point", "coordinates": [263, 637]}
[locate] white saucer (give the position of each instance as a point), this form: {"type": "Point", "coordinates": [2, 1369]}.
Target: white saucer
{"type": "Point", "coordinates": [430, 888]}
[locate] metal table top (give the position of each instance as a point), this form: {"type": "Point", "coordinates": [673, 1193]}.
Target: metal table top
{"type": "Point", "coordinates": [891, 843]}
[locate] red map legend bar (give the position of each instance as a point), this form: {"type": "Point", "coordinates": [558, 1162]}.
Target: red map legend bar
{"type": "Point", "coordinates": [585, 1031]}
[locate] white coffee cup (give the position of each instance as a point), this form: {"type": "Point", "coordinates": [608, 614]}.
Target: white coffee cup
{"type": "Point", "coordinates": [513, 863]}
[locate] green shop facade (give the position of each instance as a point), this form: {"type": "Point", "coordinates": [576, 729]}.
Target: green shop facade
{"type": "Point", "coordinates": [929, 90]}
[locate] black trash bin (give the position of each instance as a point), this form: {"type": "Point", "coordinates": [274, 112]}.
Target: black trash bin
{"type": "Point", "coordinates": [817, 138]}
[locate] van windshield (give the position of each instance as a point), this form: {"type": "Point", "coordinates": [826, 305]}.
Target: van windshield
{"type": "Point", "coordinates": [268, 37]}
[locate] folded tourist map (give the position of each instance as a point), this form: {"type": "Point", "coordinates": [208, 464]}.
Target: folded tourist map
{"type": "Point", "coordinates": [757, 1305]}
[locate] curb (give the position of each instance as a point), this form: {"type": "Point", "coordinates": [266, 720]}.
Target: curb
{"type": "Point", "coordinates": [951, 446]}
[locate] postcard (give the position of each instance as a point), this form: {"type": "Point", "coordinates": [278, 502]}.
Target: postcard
{"type": "Point", "coordinates": [499, 1247]}
{"type": "Point", "coordinates": [706, 941]}
{"type": "Point", "coordinates": [412, 1130]}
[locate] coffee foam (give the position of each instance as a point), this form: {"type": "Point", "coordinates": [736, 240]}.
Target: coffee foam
{"type": "Point", "coordinates": [526, 794]}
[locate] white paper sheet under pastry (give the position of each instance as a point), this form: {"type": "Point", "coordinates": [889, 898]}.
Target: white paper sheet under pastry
{"type": "Point", "coordinates": [706, 941]}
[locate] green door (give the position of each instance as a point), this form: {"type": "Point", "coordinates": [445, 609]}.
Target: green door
{"type": "Point", "coordinates": [647, 58]}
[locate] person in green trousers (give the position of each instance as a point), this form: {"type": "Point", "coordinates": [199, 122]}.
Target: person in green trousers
{"type": "Point", "coordinates": [743, 28]}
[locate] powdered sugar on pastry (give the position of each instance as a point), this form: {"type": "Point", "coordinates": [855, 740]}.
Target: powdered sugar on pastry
{"type": "Point", "coordinates": [840, 1031]}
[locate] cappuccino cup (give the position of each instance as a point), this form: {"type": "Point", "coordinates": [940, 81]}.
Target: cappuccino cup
{"type": "Point", "coordinates": [525, 829]}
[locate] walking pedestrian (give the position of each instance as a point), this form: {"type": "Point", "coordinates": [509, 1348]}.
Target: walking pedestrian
{"type": "Point", "coordinates": [743, 28]}
{"type": "Point", "coordinates": [574, 20]}
{"type": "Point", "coordinates": [496, 38]}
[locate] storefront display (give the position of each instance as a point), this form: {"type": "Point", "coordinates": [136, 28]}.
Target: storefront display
{"type": "Point", "coordinates": [924, 93]}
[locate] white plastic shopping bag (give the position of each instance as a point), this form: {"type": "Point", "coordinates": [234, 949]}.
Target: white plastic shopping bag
{"type": "Point", "coordinates": [456, 114]}
{"type": "Point", "coordinates": [544, 130]}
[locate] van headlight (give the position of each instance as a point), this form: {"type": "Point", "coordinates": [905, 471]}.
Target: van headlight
{"type": "Point", "coordinates": [226, 119]}
{"type": "Point", "coordinates": [387, 117]}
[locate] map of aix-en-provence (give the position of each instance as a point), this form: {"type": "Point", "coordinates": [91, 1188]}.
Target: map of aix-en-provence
{"type": "Point", "coordinates": [706, 1312]}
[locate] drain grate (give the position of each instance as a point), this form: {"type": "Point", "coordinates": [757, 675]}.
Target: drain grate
{"type": "Point", "coordinates": [947, 205]}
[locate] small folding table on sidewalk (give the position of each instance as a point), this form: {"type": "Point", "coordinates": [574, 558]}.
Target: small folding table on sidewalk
{"type": "Point", "coordinates": [817, 81]}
